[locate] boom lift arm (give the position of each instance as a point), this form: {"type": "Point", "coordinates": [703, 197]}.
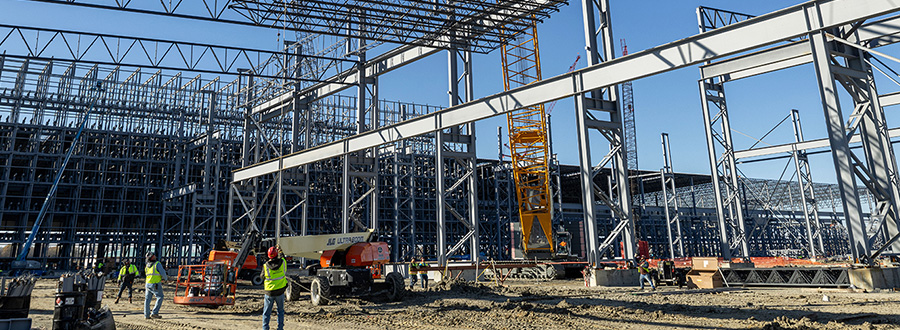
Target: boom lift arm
{"type": "Point", "coordinates": [20, 260]}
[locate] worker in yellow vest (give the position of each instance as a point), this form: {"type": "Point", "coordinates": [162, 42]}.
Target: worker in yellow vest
{"type": "Point", "coordinates": [644, 270]}
{"type": "Point", "coordinates": [413, 273]}
{"type": "Point", "coordinates": [275, 284]}
{"type": "Point", "coordinates": [126, 279]}
{"type": "Point", "coordinates": [423, 273]}
{"type": "Point", "coordinates": [155, 275]}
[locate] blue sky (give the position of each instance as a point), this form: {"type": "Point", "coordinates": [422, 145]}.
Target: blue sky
{"type": "Point", "coordinates": [664, 103]}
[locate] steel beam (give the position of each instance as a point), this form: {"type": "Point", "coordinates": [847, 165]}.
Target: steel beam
{"type": "Point", "coordinates": [764, 30]}
{"type": "Point", "coordinates": [876, 34]}
{"type": "Point", "coordinates": [800, 146]}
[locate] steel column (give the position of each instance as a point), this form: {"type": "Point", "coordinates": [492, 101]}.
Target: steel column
{"type": "Point", "coordinates": [840, 148]}
{"type": "Point", "coordinates": [808, 203]}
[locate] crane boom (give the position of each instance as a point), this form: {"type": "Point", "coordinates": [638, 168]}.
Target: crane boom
{"type": "Point", "coordinates": [311, 246]}
{"type": "Point", "coordinates": [528, 143]}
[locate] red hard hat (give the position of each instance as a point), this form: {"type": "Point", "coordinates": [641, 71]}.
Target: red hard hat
{"type": "Point", "coordinates": [273, 252]}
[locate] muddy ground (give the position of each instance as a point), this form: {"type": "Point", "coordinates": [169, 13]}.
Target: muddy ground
{"type": "Point", "coordinates": [526, 305]}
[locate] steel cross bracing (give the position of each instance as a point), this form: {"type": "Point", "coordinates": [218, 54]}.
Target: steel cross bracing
{"type": "Point", "coordinates": [360, 192]}
{"type": "Point", "coordinates": [130, 181]}
{"type": "Point", "coordinates": [529, 144]}
{"type": "Point", "coordinates": [405, 22]}
{"type": "Point", "coordinates": [456, 166]}
{"type": "Point", "coordinates": [592, 108]}
{"type": "Point", "coordinates": [670, 202]}
{"type": "Point", "coordinates": [672, 56]}
{"type": "Point", "coordinates": [753, 34]}
{"type": "Point", "coordinates": [857, 80]}
{"type": "Point", "coordinates": [712, 18]}
{"type": "Point", "coordinates": [724, 172]}
{"type": "Point", "coordinates": [109, 204]}
{"type": "Point", "coordinates": [808, 203]}
{"type": "Point", "coordinates": [729, 208]}
{"type": "Point", "coordinates": [850, 67]}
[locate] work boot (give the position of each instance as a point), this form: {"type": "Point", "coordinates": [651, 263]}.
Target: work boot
{"type": "Point", "coordinates": [129, 300]}
{"type": "Point", "coordinates": [155, 316]}
{"type": "Point", "coordinates": [117, 301]}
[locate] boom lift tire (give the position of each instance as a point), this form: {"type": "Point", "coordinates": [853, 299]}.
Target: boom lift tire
{"type": "Point", "coordinates": [319, 291]}
{"type": "Point", "coordinates": [292, 292]}
{"type": "Point", "coordinates": [256, 280]}
{"type": "Point", "coordinates": [396, 288]}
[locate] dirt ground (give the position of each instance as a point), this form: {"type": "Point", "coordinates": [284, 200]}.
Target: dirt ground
{"type": "Point", "coordinates": [561, 304]}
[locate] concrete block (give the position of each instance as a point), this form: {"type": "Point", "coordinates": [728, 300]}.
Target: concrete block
{"type": "Point", "coordinates": [465, 275]}
{"type": "Point", "coordinates": [875, 278]}
{"type": "Point", "coordinates": [613, 277]}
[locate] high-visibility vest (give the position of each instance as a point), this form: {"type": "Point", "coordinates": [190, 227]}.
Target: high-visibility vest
{"type": "Point", "coordinates": [130, 269]}
{"type": "Point", "coordinates": [275, 278]}
{"type": "Point", "coordinates": [644, 268]}
{"type": "Point", "coordinates": [152, 272]}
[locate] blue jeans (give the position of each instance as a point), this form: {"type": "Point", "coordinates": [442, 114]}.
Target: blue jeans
{"type": "Point", "coordinates": [424, 278]}
{"type": "Point", "coordinates": [267, 311]}
{"type": "Point", "coordinates": [647, 277]}
{"type": "Point", "coordinates": [125, 284]}
{"type": "Point", "coordinates": [155, 289]}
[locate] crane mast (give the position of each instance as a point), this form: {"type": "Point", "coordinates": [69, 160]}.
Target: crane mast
{"type": "Point", "coordinates": [528, 143]}
{"type": "Point", "coordinates": [628, 120]}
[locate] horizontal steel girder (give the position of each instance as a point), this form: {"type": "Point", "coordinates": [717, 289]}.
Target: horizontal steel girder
{"type": "Point", "coordinates": [764, 30]}
{"type": "Point", "coordinates": [799, 146]}
{"type": "Point", "coordinates": [877, 34]}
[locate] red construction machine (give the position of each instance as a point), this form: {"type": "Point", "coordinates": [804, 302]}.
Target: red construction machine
{"type": "Point", "coordinates": [349, 265]}
{"type": "Point", "coordinates": [214, 282]}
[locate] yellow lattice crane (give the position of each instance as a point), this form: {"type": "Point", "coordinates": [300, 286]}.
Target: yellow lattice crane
{"type": "Point", "coordinates": [528, 144]}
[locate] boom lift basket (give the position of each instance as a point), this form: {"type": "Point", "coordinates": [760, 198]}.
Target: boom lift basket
{"type": "Point", "coordinates": [211, 284]}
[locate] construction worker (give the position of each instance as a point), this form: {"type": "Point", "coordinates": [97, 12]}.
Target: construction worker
{"type": "Point", "coordinates": [644, 270]}
{"type": "Point", "coordinates": [126, 279]}
{"type": "Point", "coordinates": [413, 273]}
{"type": "Point", "coordinates": [275, 285]}
{"type": "Point", "coordinates": [155, 275]}
{"type": "Point", "coordinates": [423, 274]}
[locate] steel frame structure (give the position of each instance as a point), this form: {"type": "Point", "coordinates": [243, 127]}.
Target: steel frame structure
{"type": "Point", "coordinates": [110, 201]}
{"type": "Point", "coordinates": [417, 22]}
{"type": "Point", "coordinates": [692, 50]}
{"type": "Point", "coordinates": [129, 51]}
{"type": "Point", "coordinates": [732, 227]}
{"type": "Point", "coordinates": [592, 108]}
{"type": "Point", "coordinates": [294, 144]}
{"type": "Point", "coordinates": [838, 60]}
